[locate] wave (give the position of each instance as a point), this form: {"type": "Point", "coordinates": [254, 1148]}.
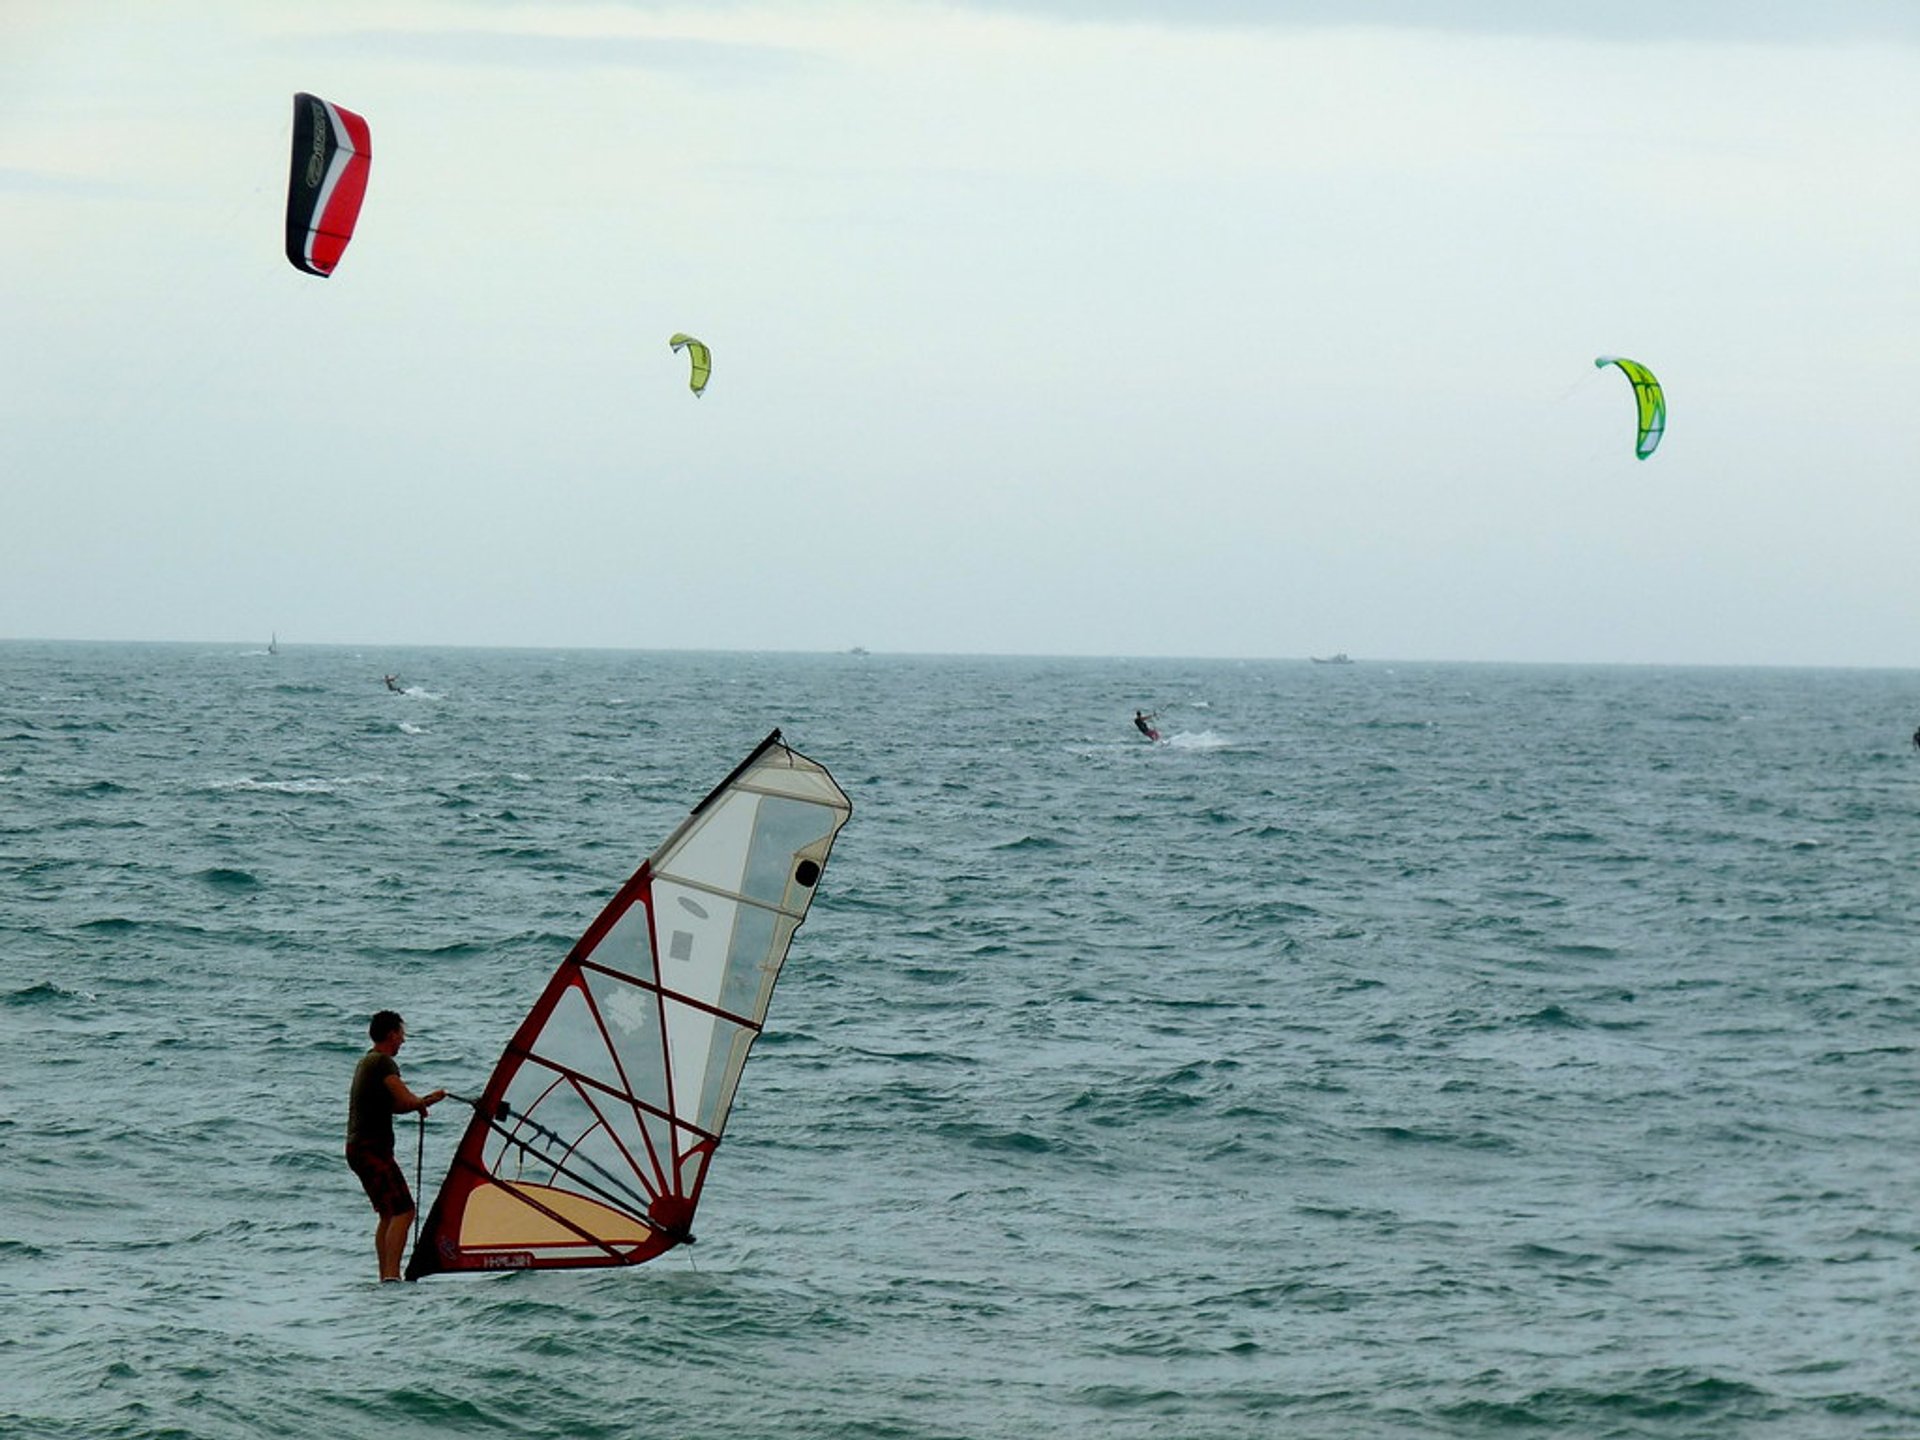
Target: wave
{"type": "Point", "coordinates": [1422, 1136]}
{"type": "Point", "coordinates": [45, 992]}
{"type": "Point", "coordinates": [1004, 1140]}
{"type": "Point", "coordinates": [310, 785]}
{"type": "Point", "coordinates": [222, 878]}
{"type": "Point", "coordinates": [1028, 842]}
{"type": "Point", "coordinates": [1200, 740]}
{"type": "Point", "coordinates": [1707, 1404]}
{"type": "Point", "coordinates": [91, 787]}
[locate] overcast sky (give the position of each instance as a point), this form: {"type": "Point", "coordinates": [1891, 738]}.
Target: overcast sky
{"type": "Point", "coordinates": [1152, 327]}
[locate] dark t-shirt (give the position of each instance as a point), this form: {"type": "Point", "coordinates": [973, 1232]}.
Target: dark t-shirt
{"type": "Point", "coordinates": [370, 1103]}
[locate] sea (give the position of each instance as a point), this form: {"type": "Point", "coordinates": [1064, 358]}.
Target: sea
{"type": "Point", "coordinates": [1395, 1049]}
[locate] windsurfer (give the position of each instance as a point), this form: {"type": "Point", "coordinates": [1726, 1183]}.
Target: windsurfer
{"type": "Point", "coordinates": [1143, 722]}
{"type": "Point", "coordinates": [377, 1095]}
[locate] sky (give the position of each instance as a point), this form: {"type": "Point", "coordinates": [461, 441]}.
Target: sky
{"type": "Point", "coordinates": [1210, 328]}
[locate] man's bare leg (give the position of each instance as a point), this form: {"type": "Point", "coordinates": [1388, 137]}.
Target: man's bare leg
{"type": "Point", "coordinates": [390, 1243]}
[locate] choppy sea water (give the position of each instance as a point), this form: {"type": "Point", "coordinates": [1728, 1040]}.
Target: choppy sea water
{"type": "Point", "coordinates": [1399, 1050]}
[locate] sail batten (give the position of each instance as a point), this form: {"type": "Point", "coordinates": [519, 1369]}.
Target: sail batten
{"type": "Point", "coordinates": [741, 899]}
{"type": "Point", "coordinates": [561, 1167]}
{"type": "Point", "coordinates": [745, 1021]}
{"type": "Point", "coordinates": [588, 1082]}
{"type": "Point", "coordinates": [592, 1140]}
{"type": "Point", "coordinates": [524, 1196]}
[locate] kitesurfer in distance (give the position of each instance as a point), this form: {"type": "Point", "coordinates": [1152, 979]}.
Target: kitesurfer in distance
{"type": "Point", "coordinates": [393, 683]}
{"type": "Point", "coordinates": [377, 1095]}
{"type": "Point", "coordinates": [1143, 722]}
{"type": "Point", "coordinates": [1916, 739]}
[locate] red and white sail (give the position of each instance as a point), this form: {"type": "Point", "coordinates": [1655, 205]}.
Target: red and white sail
{"type": "Point", "coordinates": [591, 1142]}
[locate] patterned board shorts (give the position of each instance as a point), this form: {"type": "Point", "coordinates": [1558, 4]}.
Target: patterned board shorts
{"type": "Point", "coordinates": [385, 1181]}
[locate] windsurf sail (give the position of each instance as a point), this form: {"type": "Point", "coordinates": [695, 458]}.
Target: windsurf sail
{"type": "Point", "coordinates": [591, 1142]}
{"type": "Point", "coordinates": [700, 357]}
{"type": "Point", "coordinates": [1648, 397]}
{"type": "Point", "coordinates": [332, 153]}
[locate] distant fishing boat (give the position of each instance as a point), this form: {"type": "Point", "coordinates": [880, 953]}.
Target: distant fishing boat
{"type": "Point", "coordinates": [1342, 658]}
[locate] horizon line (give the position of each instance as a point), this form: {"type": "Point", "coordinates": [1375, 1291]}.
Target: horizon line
{"type": "Point", "coordinates": [862, 652]}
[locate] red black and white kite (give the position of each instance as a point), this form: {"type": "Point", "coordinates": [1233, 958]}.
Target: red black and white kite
{"type": "Point", "coordinates": [332, 153]}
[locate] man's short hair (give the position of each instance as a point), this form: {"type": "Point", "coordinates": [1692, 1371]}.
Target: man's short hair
{"type": "Point", "coordinates": [383, 1024]}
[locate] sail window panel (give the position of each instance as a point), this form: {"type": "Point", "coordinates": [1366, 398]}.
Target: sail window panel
{"type": "Point", "coordinates": [526, 1093]}
{"type": "Point", "coordinates": [720, 952]}
{"type": "Point", "coordinates": [696, 928]}
{"type": "Point", "coordinates": [598, 1164]}
{"type": "Point", "coordinates": [800, 782]}
{"type": "Point", "coordinates": [626, 946]}
{"type": "Point", "coordinates": [574, 1039]}
{"type": "Point", "coordinates": [708, 1052]}
{"type": "Point", "coordinates": [522, 1151]}
{"type": "Point", "coordinates": [722, 1078]}
{"type": "Point", "coordinates": [713, 853]}
{"type": "Point", "coordinates": [755, 952]}
{"type": "Point", "coordinates": [690, 1038]}
{"type": "Point", "coordinates": [749, 844]}
{"type": "Point", "coordinates": [783, 830]}
{"type": "Point", "coordinates": [659, 1137]}
{"type": "Point", "coordinates": [544, 1097]}
{"type": "Point", "coordinates": [593, 1148]}
{"type": "Point", "coordinates": [631, 1016]}
{"type": "Point", "coordinates": [632, 1140]}
{"type": "Point", "coordinates": [693, 1166]}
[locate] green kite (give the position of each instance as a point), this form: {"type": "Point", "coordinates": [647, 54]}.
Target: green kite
{"type": "Point", "coordinates": [1651, 399]}
{"type": "Point", "coordinates": [701, 357]}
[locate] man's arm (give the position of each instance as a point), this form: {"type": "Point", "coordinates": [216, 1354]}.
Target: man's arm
{"type": "Point", "coordinates": [404, 1100]}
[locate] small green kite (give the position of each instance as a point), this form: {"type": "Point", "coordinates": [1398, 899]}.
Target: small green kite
{"type": "Point", "coordinates": [701, 357]}
{"type": "Point", "coordinates": [1651, 399]}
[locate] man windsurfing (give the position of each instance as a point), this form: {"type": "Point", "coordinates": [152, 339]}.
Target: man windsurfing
{"type": "Point", "coordinates": [377, 1095]}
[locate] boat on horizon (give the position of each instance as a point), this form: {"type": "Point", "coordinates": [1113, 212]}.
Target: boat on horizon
{"type": "Point", "coordinates": [1339, 658]}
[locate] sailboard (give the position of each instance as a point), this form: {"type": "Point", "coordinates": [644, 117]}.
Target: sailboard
{"type": "Point", "coordinates": [591, 1142]}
